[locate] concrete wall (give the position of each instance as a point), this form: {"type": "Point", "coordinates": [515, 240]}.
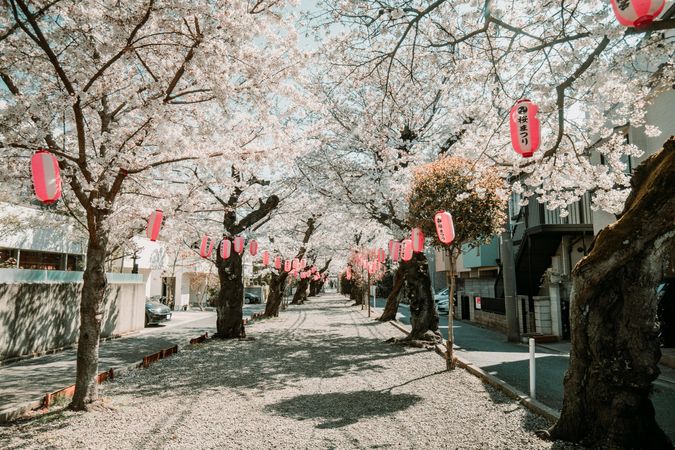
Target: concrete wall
{"type": "Point", "coordinates": [39, 316]}
{"type": "Point", "coordinates": [490, 320]}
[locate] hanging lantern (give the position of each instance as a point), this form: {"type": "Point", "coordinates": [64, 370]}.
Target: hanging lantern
{"type": "Point", "coordinates": [407, 249]}
{"type": "Point", "coordinates": [206, 247]}
{"type": "Point", "coordinates": [417, 237]}
{"type": "Point", "coordinates": [445, 228]}
{"type": "Point", "coordinates": [396, 251]}
{"type": "Point", "coordinates": [239, 244]}
{"type": "Point", "coordinates": [391, 247]}
{"type": "Point", "coordinates": [266, 258]}
{"type": "Point", "coordinates": [637, 13]}
{"type": "Point", "coordinates": [317, 277]}
{"type": "Point", "coordinates": [303, 263]}
{"type": "Point", "coordinates": [525, 130]}
{"type": "Point", "coordinates": [296, 263]}
{"type": "Point", "coordinates": [277, 262]}
{"type": "Point", "coordinates": [303, 274]}
{"type": "Point", "coordinates": [154, 225]}
{"type": "Point", "coordinates": [46, 177]}
{"type": "Point", "coordinates": [225, 248]}
{"type": "Point", "coordinates": [253, 247]}
{"type": "Point", "coordinates": [381, 255]}
{"type": "Point", "coordinates": [287, 265]}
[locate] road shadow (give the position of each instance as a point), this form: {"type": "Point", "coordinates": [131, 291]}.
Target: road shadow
{"type": "Point", "coordinates": [339, 409]}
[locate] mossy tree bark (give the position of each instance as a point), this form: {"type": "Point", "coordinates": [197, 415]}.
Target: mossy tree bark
{"type": "Point", "coordinates": [391, 307]}
{"type": "Point", "coordinates": [615, 350]}
{"type": "Point", "coordinates": [417, 290]}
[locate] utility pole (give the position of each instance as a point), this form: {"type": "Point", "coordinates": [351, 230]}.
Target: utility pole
{"type": "Point", "coordinates": [509, 274]}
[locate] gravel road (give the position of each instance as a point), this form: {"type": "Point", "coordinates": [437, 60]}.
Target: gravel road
{"type": "Point", "coordinates": [319, 376]}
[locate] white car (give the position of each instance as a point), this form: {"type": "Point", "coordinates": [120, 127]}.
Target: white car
{"type": "Point", "coordinates": [442, 306]}
{"type": "Point", "coordinates": [443, 295]}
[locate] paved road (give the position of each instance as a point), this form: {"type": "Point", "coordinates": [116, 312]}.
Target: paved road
{"type": "Point", "coordinates": [510, 362]}
{"type": "Point", "coordinates": [30, 379]}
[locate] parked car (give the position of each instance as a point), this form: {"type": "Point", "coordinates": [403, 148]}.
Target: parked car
{"type": "Point", "coordinates": [443, 295]}
{"type": "Point", "coordinates": [442, 306]}
{"type": "Point", "coordinates": [156, 313]}
{"type": "Point", "coordinates": [250, 298]}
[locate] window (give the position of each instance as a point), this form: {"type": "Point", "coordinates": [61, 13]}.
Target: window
{"type": "Point", "coordinates": [40, 260]}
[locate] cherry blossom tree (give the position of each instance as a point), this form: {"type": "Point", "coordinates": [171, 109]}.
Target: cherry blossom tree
{"type": "Point", "coordinates": [590, 78]}
{"type": "Point", "coordinates": [120, 91]}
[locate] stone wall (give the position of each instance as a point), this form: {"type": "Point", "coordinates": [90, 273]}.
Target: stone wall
{"type": "Point", "coordinates": [490, 320]}
{"type": "Point", "coordinates": [36, 317]}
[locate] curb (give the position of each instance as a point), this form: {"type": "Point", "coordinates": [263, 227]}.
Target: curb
{"type": "Point", "coordinates": [525, 400]}
{"type": "Point", "coordinates": [17, 412]}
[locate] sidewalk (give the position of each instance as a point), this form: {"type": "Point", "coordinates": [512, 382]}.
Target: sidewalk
{"type": "Point", "coordinates": [25, 382]}
{"type": "Point", "coordinates": [489, 350]}
{"type": "Point", "coordinates": [318, 376]}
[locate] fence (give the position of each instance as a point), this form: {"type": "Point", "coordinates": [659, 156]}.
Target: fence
{"type": "Point", "coordinates": [493, 305]}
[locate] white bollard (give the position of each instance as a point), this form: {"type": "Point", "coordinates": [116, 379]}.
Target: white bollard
{"type": "Point", "coordinates": [533, 393]}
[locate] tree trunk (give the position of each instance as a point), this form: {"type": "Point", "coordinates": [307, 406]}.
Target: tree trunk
{"type": "Point", "coordinates": [94, 286]}
{"type": "Point", "coordinates": [356, 293]}
{"type": "Point", "coordinates": [229, 304]}
{"type": "Point", "coordinates": [417, 289]}
{"type": "Point", "coordinates": [615, 350]}
{"type": "Point", "coordinates": [300, 292]}
{"type": "Point", "coordinates": [315, 287]}
{"type": "Point", "coordinates": [391, 308]}
{"type": "Point", "coordinates": [276, 294]}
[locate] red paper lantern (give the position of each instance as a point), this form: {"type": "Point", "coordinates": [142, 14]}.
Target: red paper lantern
{"type": "Point", "coordinates": [407, 249]}
{"type": "Point", "coordinates": [277, 262]}
{"type": "Point", "coordinates": [46, 177]}
{"type": "Point", "coordinates": [381, 255]}
{"type": "Point", "coordinates": [253, 247]}
{"type": "Point", "coordinates": [637, 13]}
{"type": "Point", "coordinates": [287, 265]}
{"type": "Point", "coordinates": [525, 129]}
{"type": "Point", "coordinates": [239, 244]}
{"type": "Point", "coordinates": [417, 237]}
{"type": "Point", "coordinates": [303, 274]}
{"type": "Point", "coordinates": [445, 228]}
{"type": "Point", "coordinates": [296, 263]}
{"type": "Point", "coordinates": [207, 247]}
{"type": "Point", "coordinates": [265, 258]}
{"type": "Point", "coordinates": [396, 251]}
{"type": "Point", "coordinates": [303, 263]}
{"type": "Point", "coordinates": [154, 225]}
{"type": "Point", "coordinates": [225, 248]}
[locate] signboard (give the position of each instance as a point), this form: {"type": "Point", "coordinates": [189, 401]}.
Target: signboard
{"type": "Point", "coordinates": [477, 300]}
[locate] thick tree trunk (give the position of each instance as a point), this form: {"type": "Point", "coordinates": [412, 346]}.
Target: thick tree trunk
{"type": "Point", "coordinates": [300, 292]}
{"type": "Point", "coordinates": [417, 289]}
{"type": "Point", "coordinates": [615, 350]}
{"type": "Point", "coordinates": [91, 316]}
{"type": "Point", "coordinates": [315, 287]}
{"type": "Point", "coordinates": [276, 294]}
{"type": "Point", "coordinates": [357, 293]}
{"type": "Point", "coordinates": [229, 304]}
{"type": "Point", "coordinates": [391, 308]}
